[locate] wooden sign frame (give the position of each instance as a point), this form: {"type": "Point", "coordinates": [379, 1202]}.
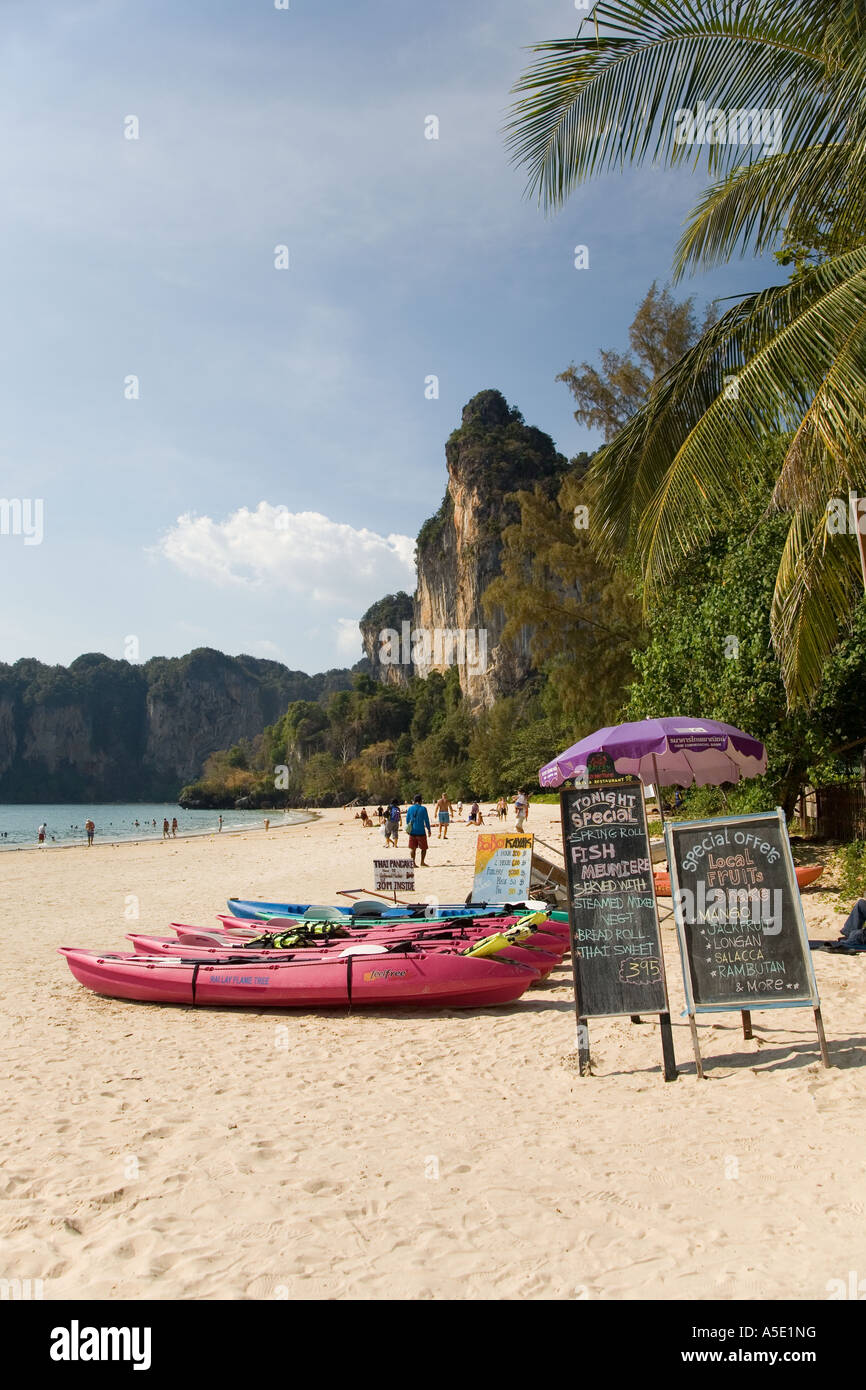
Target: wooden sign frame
{"type": "Point", "coordinates": [669, 1066]}
{"type": "Point", "coordinates": [693, 1008]}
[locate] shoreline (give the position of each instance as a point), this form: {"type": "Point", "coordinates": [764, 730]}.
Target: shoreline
{"type": "Point", "coordinates": [175, 1152]}
{"type": "Point", "coordinates": [156, 839]}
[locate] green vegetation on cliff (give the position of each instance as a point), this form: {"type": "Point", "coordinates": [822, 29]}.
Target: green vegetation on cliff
{"type": "Point", "coordinates": [106, 730]}
{"type": "Point", "coordinates": [375, 741]}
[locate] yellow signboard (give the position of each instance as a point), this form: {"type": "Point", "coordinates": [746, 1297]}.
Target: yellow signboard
{"type": "Point", "coordinates": [503, 866]}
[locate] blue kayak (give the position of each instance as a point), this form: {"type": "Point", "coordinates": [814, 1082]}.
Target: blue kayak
{"type": "Point", "coordinates": [261, 911]}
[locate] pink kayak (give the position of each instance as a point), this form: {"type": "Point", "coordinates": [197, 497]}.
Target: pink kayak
{"type": "Point", "coordinates": [542, 961]}
{"type": "Point", "coordinates": [421, 978]}
{"type": "Point", "coordinates": [202, 936]}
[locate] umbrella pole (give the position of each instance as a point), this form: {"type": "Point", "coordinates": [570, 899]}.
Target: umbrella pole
{"type": "Point", "coordinates": [658, 792]}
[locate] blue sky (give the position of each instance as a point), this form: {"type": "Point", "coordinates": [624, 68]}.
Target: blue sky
{"type": "Point", "coordinates": [266, 485]}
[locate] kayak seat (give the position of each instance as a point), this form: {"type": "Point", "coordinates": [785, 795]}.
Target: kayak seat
{"type": "Point", "coordinates": [368, 909]}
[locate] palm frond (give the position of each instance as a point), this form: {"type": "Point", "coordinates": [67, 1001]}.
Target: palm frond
{"type": "Point", "coordinates": [595, 103]}
{"type": "Point", "coordinates": [817, 584]}
{"type": "Point", "coordinates": [793, 351]}
{"type": "Point", "coordinates": [750, 207]}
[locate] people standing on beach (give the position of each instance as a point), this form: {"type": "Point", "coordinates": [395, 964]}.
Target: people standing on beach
{"type": "Point", "coordinates": [459, 810]}
{"type": "Point", "coordinates": [165, 828]}
{"type": "Point", "coordinates": [221, 822]}
{"type": "Point", "coordinates": [475, 817]}
{"type": "Point", "coordinates": [174, 827]}
{"type": "Point", "coordinates": [521, 808]}
{"type": "Point", "coordinates": [91, 831]}
{"type": "Point", "coordinates": [418, 826]}
{"type": "Point", "coordinates": [40, 834]}
{"type": "Point", "coordinates": [267, 823]}
{"type": "Point", "coordinates": [392, 820]}
{"type": "Point", "coordinates": [444, 812]}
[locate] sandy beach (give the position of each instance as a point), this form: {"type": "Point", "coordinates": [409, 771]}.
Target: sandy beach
{"type": "Point", "coordinates": [161, 1152]}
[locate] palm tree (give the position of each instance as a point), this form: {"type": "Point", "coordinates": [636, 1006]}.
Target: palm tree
{"type": "Point", "coordinates": [654, 81]}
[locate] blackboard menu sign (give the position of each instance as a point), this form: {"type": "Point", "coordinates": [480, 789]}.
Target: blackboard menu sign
{"type": "Point", "coordinates": [616, 952]}
{"type": "Point", "coordinates": [739, 915]}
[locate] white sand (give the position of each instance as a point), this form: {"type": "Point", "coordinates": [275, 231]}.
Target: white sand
{"type": "Point", "coordinates": [157, 1151]}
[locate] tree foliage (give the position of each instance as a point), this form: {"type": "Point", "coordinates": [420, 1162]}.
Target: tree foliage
{"type": "Point", "coordinates": [791, 358]}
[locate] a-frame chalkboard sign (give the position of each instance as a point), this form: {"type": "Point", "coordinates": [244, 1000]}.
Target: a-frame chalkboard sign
{"type": "Point", "coordinates": [616, 953]}
{"type": "Point", "coordinates": [740, 920]}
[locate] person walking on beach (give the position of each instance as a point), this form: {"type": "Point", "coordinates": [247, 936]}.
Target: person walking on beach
{"type": "Point", "coordinates": [174, 827]}
{"type": "Point", "coordinates": [418, 825]}
{"type": "Point", "coordinates": [392, 823]}
{"type": "Point", "coordinates": [165, 828]}
{"type": "Point", "coordinates": [521, 808]}
{"type": "Point", "coordinates": [444, 812]}
{"type": "Point", "coordinates": [40, 834]}
{"type": "Point", "coordinates": [91, 831]}
{"type": "Point", "coordinates": [502, 808]}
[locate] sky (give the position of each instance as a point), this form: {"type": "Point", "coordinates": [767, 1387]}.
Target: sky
{"type": "Point", "coordinates": [215, 450]}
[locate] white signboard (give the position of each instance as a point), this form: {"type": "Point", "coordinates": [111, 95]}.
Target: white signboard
{"type": "Point", "coordinates": [394, 875]}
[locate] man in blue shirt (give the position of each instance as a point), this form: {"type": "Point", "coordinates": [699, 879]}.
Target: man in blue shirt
{"type": "Point", "coordinates": [418, 825]}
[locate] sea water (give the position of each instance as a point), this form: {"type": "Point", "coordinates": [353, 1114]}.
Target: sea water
{"type": "Point", "coordinates": [123, 821]}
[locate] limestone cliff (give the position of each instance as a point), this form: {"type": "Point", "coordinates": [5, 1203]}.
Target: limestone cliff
{"type": "Point", "coordinates": [492, 455]}
{"type": "Point", "coordinates": [387, 615]}
{"type": "Point", "coordinates": [105, 730]}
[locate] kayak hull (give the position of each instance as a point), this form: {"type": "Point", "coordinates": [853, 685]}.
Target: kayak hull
{"type": "Point", "coordinates": [554, 940]}
{"type": "Point", "coordinates": [806, 874]}
{"type": "Point", "coordinates": [542, 961]}
{"type": "Point", "coordinates": [422, 980]}
{"type": "Point", "coordinates": [367, 928]}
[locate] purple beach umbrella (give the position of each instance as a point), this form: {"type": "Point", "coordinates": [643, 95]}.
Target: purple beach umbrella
{"type": "Point", "coordinates": [666, 752]}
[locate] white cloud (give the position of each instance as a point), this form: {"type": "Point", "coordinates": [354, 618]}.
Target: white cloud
{"type": "Point", "coordinates": [304, 553]}
{"type": "Point", "coordinates": [348, 643]}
